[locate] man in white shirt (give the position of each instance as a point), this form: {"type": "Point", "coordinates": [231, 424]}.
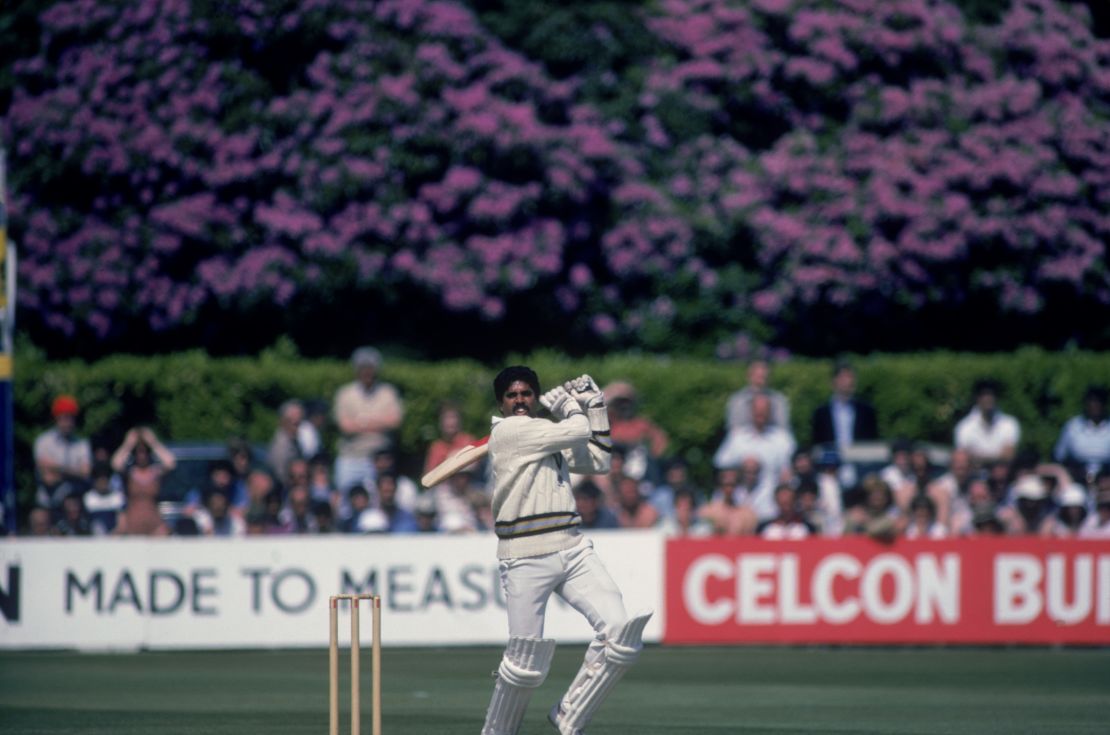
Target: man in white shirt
{"type": "Point", "coordinates": [986, 433]}
{"type": "Point", "coordinates": [541, 550]}
{"type": "Point", "coordinates": [772, 445]}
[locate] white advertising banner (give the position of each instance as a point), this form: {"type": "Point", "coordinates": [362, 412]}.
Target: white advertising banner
{"type": "Point", "coordinates": [273, 592]}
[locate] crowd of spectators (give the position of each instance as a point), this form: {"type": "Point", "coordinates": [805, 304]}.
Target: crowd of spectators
{"type": "Point", "coordinates": [763, 483]}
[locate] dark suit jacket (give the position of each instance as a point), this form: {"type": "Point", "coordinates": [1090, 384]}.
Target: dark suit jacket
{"type": "Point", "coordinates": [866, 427]}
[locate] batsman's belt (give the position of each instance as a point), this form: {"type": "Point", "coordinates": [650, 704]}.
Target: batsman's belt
{"type": "Point", "coordinates": [536, 524]}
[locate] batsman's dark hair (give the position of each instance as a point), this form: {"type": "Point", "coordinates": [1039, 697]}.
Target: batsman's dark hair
{"type": "Point", "coordinates": [510, 375]}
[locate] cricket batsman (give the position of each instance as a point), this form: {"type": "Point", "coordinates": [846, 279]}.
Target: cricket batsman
{"type": "Point", "coordinates": [541, 551]}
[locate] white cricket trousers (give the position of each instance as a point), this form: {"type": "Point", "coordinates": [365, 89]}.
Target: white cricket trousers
{"type": "Point", "coordinates": [578, 576]}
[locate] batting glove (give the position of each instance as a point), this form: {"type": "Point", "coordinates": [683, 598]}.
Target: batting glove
{"type": "Point", "coordinates": [560, 403]}
{"type": "Point", "coordinates": [586, 392]}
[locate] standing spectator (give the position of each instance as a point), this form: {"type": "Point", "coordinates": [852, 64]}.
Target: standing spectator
{"type": "Point", "coordinates": [788, 523]}
{"type": "Point", "coordinates": [1084, 443]}
{"type": "Point", "coordinates": [986, 433]}
{"type": "Point", "coordinates": [143, 460]}
{"type": "Point", "coordinates": [773, 447]}
{"type": "Point", "coordinates": [285, 446]}
{"type": "Point", "coordinates": [63, 460]}
{"type": "Point", "coordinates": [366, 411]}
{"type": "Point", "coordinates": [451, 437]}
{"type": "Point", "coordinates": [844, 420]}
{"type": "Point", "coordinates": [738, 410]}
{"type": "Point", "coordinates": [644, 441]}
{"type": "Point", "coordinates": [594, 514]}
{"type": "Point", "coordinates": [103, 501]}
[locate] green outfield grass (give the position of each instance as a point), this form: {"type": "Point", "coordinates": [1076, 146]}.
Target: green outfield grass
{"type": "Point", "coordinates": [672, 690]}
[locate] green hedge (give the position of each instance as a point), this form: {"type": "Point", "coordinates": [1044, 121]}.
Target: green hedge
{"type": "Point", "coordinates": [193, 396]}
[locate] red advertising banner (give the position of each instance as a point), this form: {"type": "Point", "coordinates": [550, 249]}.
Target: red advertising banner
{"type": "Point", "coordinates": [856, 590]}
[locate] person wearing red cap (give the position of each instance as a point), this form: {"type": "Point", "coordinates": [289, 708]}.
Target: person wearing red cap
{"type": "Point", "coordinates": [63, 460]}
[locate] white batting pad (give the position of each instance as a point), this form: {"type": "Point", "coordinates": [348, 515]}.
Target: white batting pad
{"type": "Point", "coordinates": [523, 668]}
{"type": "Point", "coordinates": [595, 680]}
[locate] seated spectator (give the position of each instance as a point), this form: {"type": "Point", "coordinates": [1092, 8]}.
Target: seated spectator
{"type": "Point", "coordinates": [1030, 507]}
{"type": "Point", "coordinates": [388, 517]}
{"type": "Point", "coordinates": [400, 520]}
{"type": "Point", "coordinates": [738, 409]}
{"type": "Point", "coordinates": [944, 490]}
{"type": "Point", "coordinates": [1097, 524]}
{"type": "Point", "coordinates": [451, 437]}
{"type": "Point", "coordinates": [633, 510]}
{"type": "Point", "coordinates": [385, 460]}
{"type": "Point", "coordinates": [899, 473]}
{"type": "Point", "coordinates": [63, 460]}
{"type": "Point", "coordinates": [319, 481]}
{"type": "Point", "coordinates": [143, 460]}
{"type": "Point", "coordinates": [1071, 512]}
{"type": "Point", "coordinates": [587, 499]}
{"type": "Point", "coordinates": [676, 477]}
{"type": "Point", "coordinates": [38, 522]}
{"type": "Point", "coordinates": [986, 433]}
{"type": "Point", "coordinates": [73, 522]}
{"type": "Point", "coordinates": [426, 518]}
{"type": "Point", "coordinates": [103, 501]}
{"type": "Point", "coordinates": [262, 495]}
{"type": "Point", "coordinates": [986, 522]}
{"type": "Point", "coordinates": [1084, 442]}
{"type": "Point", "coordinates": [644, 441]}
{"type": "Point", "coordinates": [772, 446]}
{"type": "Point", "coordinates": [922, 471]}
{"type": "Point", "coordinates": [296, 515]}
{"type": "Point", "coordinates": [285, 446]}
{"type": "Point", "coordinates": [685, 519]}
{"type": "Point", "coordinates": [311, 430]}
{"type": "Point", "coordinates": [358, 502]}
{"type": "Point", "coordinates": [457, 500]}
{"type": "Point", "coordinates": [788, 523]}
{"type": "Point", "coordinates": [878, 516]}
{"type": "Point", "coordinates": [976, 501]}
{"type": "Point", "coordinates": [727, 516]}
{"type": "Point", "coordinates": [214, 517]}
{"type": "Point", "coordinates": [242, 462]}
{"type": "Point", "coordinates": [325, 517]}
{"type": "Point", "coordinates": [923, 520]}
{"type": "Point", "coordinates": [820, 503]}
{"type": "Point", "coordinates": [845, 419]}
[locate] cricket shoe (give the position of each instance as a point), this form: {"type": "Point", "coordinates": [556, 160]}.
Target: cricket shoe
{"type": "Point", "coordinates": [555, 717]}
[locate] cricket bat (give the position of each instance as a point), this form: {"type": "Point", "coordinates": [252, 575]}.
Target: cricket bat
{"type": "Point", "coordinates": [465, 457]}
